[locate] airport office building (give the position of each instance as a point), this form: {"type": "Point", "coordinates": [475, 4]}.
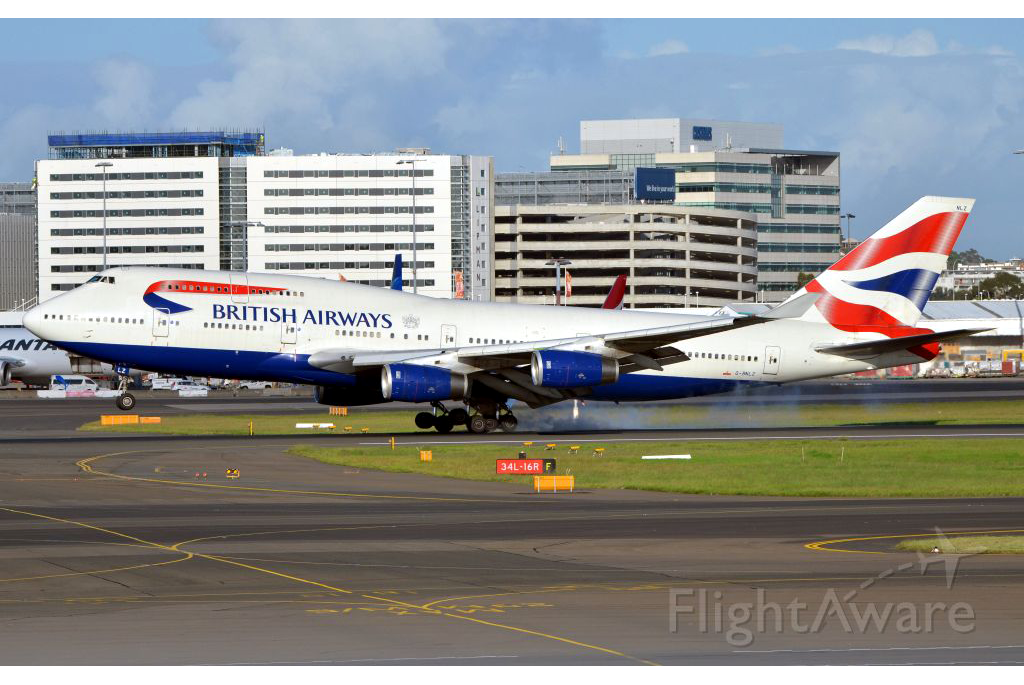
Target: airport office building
{"type": "Point", "coordinates": [17, 245]}
{"type": "Point", "coordinates": [218, 200]}
{"type": "Point", "coordinates": [718, 165]}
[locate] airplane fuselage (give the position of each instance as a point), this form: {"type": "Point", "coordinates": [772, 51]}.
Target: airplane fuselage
{"type": "Point", "coordinates": [266, 326]}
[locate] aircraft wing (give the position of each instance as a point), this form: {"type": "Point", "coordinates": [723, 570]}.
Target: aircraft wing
{"type": "Point", "coordinates": [641, 348]}
{"type": "Point", "coordinates": [873, 348]}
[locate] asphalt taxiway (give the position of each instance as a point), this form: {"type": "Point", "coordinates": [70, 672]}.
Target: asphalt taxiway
{"type": "Point", "coordinates": [112, 552]}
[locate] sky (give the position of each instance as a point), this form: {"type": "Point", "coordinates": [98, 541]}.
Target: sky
{"type": "Point", "coordinates": [915, 107]}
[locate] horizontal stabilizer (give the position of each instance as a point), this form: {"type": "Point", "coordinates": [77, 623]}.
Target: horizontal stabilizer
{"type": "Point", "coordinates": [792, 309]}
{"type": "Point", "coordinates": [873, 348]}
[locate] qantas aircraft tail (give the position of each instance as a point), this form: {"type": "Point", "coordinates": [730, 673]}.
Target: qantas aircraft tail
{"type": "Point", "coordinates": [883, 284]}
{"type": "Point", "coordinates": [616, 294]}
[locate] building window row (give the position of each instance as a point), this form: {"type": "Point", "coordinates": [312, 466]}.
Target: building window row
{"type": "Point", "coordinates": [812, 209]}
{"type": "Point", "coordinates": [724, 188]}
{"type": "Point", "coordinates": [757, 208]}
{"type": "Point", "coordinates": [344, 247]}
{"type": "Point", "coordinates": [807, 267]}
{"type": "Point", "coordinates": [352, 228]}
{"type": "Point", "coordinates": [114, 213]}
{"type": "Point", "coordinates": [89, 268]}
{"type": "Point", "coordinates": [148, 230]}
{"type": "Point", "coordinates": [327, 266]}
{"type": "Point", "coordinates": [812, 190]}
{"type": "Point", "coordinates": [127, 249]}
{"type": "Point", "coordinates": [340, 192]}
{"type": "Point", "coordinates": [129, 176]}
{"type": "Point", "coordinates": [345, 173]}
{"type": "Point", "coordinates": [798, 247]}
{"type": "Point", "coordinates": [126, 194]}
{"type": "Point", "coordinates": [722, 167]}
{"type": "Point", "coordinates": [799, 228]}
{"type": "Point", "coordinates": [283, 211]}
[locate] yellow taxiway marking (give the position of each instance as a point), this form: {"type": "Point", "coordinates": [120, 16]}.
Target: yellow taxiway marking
{"type": "Point", "coordinates": [333, 588]}
{"type": "Point", "coordinates": [826, 545]}
{"type": "Point", "coordinates": [97, 572]}
{"type": "Point", "coordinates": [86, 466]}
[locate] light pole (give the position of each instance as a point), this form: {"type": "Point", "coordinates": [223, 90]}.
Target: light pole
{"type": "Point", "coordinates": [413, 163]}
{"type": "Point", "coordinates": [558, 263]}
{"type": "Point", "coordinates": [104, 165]}
{"type": "Point", "coordinates": [848, 217]}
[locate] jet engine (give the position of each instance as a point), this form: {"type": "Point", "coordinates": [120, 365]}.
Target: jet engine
{"type": "Point", "coordinates": [565, 369]}
{"type": "Point", "coordinates": [415, 383]}
{"type": "Point", "coordinates": [5, 373]}
{"type": "Point", "coordinates": [365, 390]}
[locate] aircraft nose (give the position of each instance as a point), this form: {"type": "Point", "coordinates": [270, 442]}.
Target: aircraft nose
{"type": "Point", "coordinates": [33, 320]}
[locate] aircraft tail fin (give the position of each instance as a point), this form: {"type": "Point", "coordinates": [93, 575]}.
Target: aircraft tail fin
{"type": "Point", "coordinates": [617, 294]}
{"type": "Point", "coordinates": [883, 284]}
{"type": "Point", "coordinates": [396, 273]}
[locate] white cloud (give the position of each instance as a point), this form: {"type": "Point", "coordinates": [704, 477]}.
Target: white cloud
{"type": "Point", "coordinates": [668, 47]}
{"type": "Point", "coordinates": [917, 43]}
{"type": "Point", "coordinates": [127, 93]}
{"type": "Point", "coordinates": [295, 69]}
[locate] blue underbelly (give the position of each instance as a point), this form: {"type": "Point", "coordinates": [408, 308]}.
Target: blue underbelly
{"type": "Point", "coordinates": [241, 364]}
{"type": "Point", "coordinates": [637, 388]}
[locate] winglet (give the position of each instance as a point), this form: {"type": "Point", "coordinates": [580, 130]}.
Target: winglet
{"type": "Point", "coordinates": [792, 309]}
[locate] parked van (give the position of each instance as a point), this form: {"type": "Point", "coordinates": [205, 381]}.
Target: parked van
{"type": "Point", "coordinates": [73, 384]}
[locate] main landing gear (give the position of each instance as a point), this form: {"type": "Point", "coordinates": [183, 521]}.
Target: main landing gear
{"type": "Point", "coordinates": [125, 400]}
{"type": "Point", "coordinates": [487, 417]}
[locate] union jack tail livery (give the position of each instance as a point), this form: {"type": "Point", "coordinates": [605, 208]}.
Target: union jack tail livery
{"type": "Point", "coordinates": [883, 284]}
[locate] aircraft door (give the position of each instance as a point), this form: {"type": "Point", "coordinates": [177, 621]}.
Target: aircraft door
{"type": "Point", "coordinates": [772, 355]}
{"type": "Point", "coordinates": [239, 286]}
{"type": "Point", "coordinates": [448, 337]}
{"type": "Point", "coordinates": [289, 333]}
{"type": "Point", "coordinates": [161, 325]}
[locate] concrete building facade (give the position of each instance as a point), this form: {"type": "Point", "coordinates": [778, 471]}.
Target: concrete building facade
{"type": "Point", "coordinates": [330, 215]}
{"type": "Point", "coordinates": [673, 256]}
{"type": "Point", "coordinates": [215, 201]}
{"type": "Point", "coordinates": [18, 258]}
{"type": "Point", "coordinates": [736, 166]}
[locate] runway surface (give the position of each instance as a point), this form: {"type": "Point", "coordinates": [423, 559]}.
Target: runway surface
{"type": "Point", "coordinates": [111, 552]}
{"type": "Point", "coordinates": [22, 414]}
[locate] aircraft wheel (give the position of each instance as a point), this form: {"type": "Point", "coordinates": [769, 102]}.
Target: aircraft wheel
{"type": "Point", "coordinates": [477, 424]}
{"type": "Point", "coordinates": [459, 417]}
{"type": "Point", "coordinates": [508, 423]}
{"type": "Point", "coordinates": [126, 402]}
{"type": "Point", "coordinates": [443, 424]}
{"type": "Point", "coordinates": [490, 425]}
{"type": "Point", "coordinates": [424, 420]}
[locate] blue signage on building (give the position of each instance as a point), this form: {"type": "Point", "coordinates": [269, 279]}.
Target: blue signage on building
{"type": "Point", "coordinates": [654, 184]}
{"type": "Point", "coordinates": [702, 133]}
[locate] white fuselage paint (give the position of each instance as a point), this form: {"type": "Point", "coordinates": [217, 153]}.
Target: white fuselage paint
{"type": "Point", "coordinates": [369, 319]}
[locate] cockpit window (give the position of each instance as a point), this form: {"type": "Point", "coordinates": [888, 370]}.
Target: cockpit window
{"type": "Point", "coordinates": [94, 279]}
{"type": "Point", "coordinates": [101, 279]}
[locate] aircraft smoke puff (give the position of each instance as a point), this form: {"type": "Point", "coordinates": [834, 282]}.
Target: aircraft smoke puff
{"type": "Point", "coordinates": [196, 288]}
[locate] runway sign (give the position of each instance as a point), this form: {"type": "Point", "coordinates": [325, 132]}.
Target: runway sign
{"type": "Point", "coordinates": [523, 467]}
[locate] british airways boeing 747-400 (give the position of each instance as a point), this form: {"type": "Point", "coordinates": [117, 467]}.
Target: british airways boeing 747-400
{"type": "Point", "coordinates": [364, 345]}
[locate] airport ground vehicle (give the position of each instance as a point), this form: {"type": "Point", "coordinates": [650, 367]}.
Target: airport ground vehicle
{"type": "Point", "coordinates": [73, 383]}
{"type": "Point", "coordinates": [384, 345]}
{"type": "Point", "coordinates": [255, 385]}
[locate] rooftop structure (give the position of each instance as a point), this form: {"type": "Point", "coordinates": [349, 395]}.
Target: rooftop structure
{"type": "Point", "coordinates": [128, 145]}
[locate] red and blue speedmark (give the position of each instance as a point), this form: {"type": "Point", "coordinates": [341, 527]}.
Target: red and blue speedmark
{"type": "Point", "coordinates": [158, 301]}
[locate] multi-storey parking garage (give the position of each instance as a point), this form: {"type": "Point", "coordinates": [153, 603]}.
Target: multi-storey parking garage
{"type": "Point", "coordinates": [673, 256]}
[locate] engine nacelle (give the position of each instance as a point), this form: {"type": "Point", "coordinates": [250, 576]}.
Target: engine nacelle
{"type": "Point", "coordinates": [365, 390]}
{"type": "Point", "coordinates": [415, 383]}
{"type": "Point", "coordinates": [5, 373]}
{"type": "Point", "coordinates": [564, 369]}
